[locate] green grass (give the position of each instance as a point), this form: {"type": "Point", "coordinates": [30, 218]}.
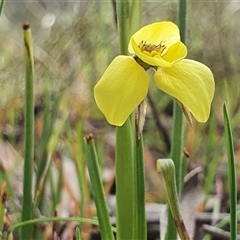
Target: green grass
{"type": "Point", "coordinates": [67, 65]}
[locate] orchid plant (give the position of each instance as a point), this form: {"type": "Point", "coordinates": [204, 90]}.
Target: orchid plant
{"type": "Point", "coordinates": [123, 88]}
{"type": "Point", "coordinates": [124, 84]}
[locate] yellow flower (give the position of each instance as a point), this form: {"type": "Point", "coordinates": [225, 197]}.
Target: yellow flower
{"type": "Point", "coordinates": [124, 85]}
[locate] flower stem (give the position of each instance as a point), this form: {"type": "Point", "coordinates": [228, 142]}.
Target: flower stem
{"type": "Point", "coordinates": [140, 215]}
{"type": "Point", "coordinates": [130, 181]}
{"type": "Point", "coordinates": [123, 24]}
{"type": "Point", "coordinates": [27, 206]}
{"type": "Point", "coordinates": [125, 180]}
{"type": "Point", "coordinates": [182, 11]}
{"type": "Point", "coordinates": [135, 18]}
{"type": "Point", "coordinates": [176, 148]}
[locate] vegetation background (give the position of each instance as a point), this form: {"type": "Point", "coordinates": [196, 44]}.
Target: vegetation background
{"type": "Point", "coordinates": [73, 44]}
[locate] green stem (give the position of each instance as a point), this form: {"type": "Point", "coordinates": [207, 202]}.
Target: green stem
{"type": "Point", "coordinates": [166, 166]}
{"type": "Point", "coordinates": [176, 155]}
{"type": "Point", "coordinates": [182, 12]}
{"type": "Point", "coordinates": [135, 19]}
{"type": "Point", "coordinates": [176, 148]}
{"type": "Point", "coordinates": [80, 167]}
{"type": "Point", "coordinates": [53, 219]}
{"type": "Point", "coordinates": [78, 233]}
{"type": "Point", "coordinates": [27, 211]}
{"type": "Point", "coordinates": [125, 181]}
{"type": "Point", "coordinates": [140, 215]}
{"type": "Point", "coordinates": [1, 6]}
{"type": "Point", "coordinates": [3, 199]}
{"type": "Point", "coordinates": [123, 8]}
{"type": "Point", "coordinates": [97, 189]}
{"type": "Point", "coordinates": [130, 186]}
{"type": "Point", "coordinates": [231, 173]}
{"type": "Point", "coordinates": [49, 114]}
{"type": "Point", "coordinates": [221, 224]}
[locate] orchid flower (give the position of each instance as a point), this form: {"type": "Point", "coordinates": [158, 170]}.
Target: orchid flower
{"type": "Point", "coordinates": [124, 84]}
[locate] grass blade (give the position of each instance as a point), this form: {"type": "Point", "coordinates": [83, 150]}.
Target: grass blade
{"type": "Point", "coordinates": [53, 219]}
{"type": "Point", "coordinates": [27, 206]}
{"type": "Point", "coordinates": [78, 234]}
{"type": "Point", "coordinates": [176, 155]}
{"type": "Point", "coordinates": [232, 174]}
{"type": "Point", "coordinates": [80, 167]}
{"type": "Point", "coordinates": [97, 189]}
{"type": "Point", "coordinates": [166, 166]}
{"type": "Point", "coordinates": [3, 198]}
{"type": "Point", "coordinates": [1, 6]}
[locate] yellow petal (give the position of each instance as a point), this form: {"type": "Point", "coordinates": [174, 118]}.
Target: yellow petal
{"type": "Point", "coordinates": [191, 83]}
{"type": "Point", "coordinates": [175, 53]}
{"type": "Point", "coordinates": [166, 32]}
{"type": "Point", "coordinates": [123, 86]}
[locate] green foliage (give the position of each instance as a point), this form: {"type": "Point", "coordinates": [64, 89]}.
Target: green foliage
{"type": "Point", "coordinates": [97, 189]}
{"type": "Point", "coordinates": [1, 6]}
{"type": "Point", "coordinates": [167, 168]}
{"type": "Point", "coordinates": [69, 60]}
{"type": "Point", "coordinates": [27, 205]}
{"type": "Point", "coordinates": [231, 173]}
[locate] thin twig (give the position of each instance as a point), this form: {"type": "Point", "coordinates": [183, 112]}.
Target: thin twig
{"type": "Point", "coordinates": [217, 232]}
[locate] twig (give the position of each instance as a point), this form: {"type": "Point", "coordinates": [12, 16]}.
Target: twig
{"type": "Point", "coordinates": [217, 232]}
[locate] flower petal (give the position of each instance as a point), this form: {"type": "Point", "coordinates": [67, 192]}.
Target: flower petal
{"type": "Point", "coordinates": [191, 83]}
{"type": "Point", "coordinates": [166, 32]}
{"type": "Point", "coordinates": [123, 86]}
{"type": "Point", "coordinates": [175, 53]}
